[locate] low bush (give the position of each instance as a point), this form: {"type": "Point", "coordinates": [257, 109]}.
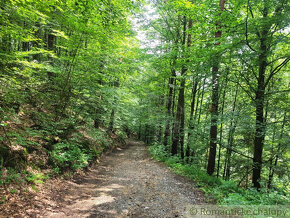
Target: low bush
{"type": "Point", "coordinates": [223, 192]}
{"type": "Point", "coordinates": [66, 156]}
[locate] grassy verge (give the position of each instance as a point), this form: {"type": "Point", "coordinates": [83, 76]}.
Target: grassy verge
{"type": "Point", "coordinates": [221, 191]}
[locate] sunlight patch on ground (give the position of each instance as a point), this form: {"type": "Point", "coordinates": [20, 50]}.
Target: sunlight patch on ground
{"type": "Point", "coordinates": [110, 188]}
{"type": "Point", "coordinates": [93, 201]}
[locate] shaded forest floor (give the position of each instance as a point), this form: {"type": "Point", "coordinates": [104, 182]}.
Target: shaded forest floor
{"type": "Point", "coordinates": [127, 183]}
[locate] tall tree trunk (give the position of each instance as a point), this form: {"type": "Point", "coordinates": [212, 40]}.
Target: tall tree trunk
{"type": "Point", "coordinates": [201, 101]}
{"type": "Point", "coordinates": [25, 45]}
{"type": "Point", "coordinates": [199, 108]}
{"type": "Point", "coordinates": [191, 125]}
{"type": "Point", "coordinates": [179, 120]}
{"type": "Point", "coordinates": [182, 111]}
{"type": "Point", "coordinates": [160, 126]}
{"type": "Point", "coordinates": [178, 131]}
{"type": "Point", "coordinates": [194, 90]}
{"type": "Point", "coordinates": [259, 101]}
{"type": "Point", "coordinates": [221, 128]}
{"type": "Point", "coordinates": [173, 99]}
{"type": "Point", "coordinates": [272, 167]}
{"type": "Point", "coordinates": [169, 104]}
{"type": "Point", "coordinates": [215, 101]}
{"type": "Point", "coordinates": [173, 110]}
{"type": "Point", "coordinates": [233, 124]}
{"type": "Point", "coordinates": [36, 43]}
{"type": "Point", "coordinates": [272, 151]}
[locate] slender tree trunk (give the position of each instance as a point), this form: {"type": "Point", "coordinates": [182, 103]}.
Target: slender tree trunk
{"type": "Point", "coordinates": [213, 127]}
{"type": "Point", "coordinates": [233, 124]}
{"type": "Point", "coordinates": [36, 43]}
{"type": "Point", "coordinates": [173, 98]}
{"type": "Point", "coordinates": [214, 106]}
{"type": "Point", "coordinates": [179, 121]}
{"type": "Point", "coordinates": [272, 167]}
{"type": "Point", "coordinates": [160, 126]}
{"type": "Point", "coordinates": [201, 101]}
{"type": "Point", "coordinates": [182, 111]}
{"type": "Point", "coordinates": [146, 134]}
{"type": "Point", "coordinates": [169, 104]}
{"type": "Point", "coordinates": [139, 131]}
{"type": "Point", "coordinates": [221, 128]}
{"type": "Point", "coordinates": [97, 120]}
{"type": "Point", "coordinates": [272, 151]}
{"type": "Point", "coordinates": [199, 108]}
{"type": "Point", "coordinates": [197, 101]}
{"type": "Point", "coordinates": [112, 118]}
{"type": "Point", "coordinates": [173, 110]}
{"type": "Point", "coordinates": [25, 45]}
{"type": "Point", "coordinates": [178, 137]}
{"type": "Point", "coordinates": [50, 41]}
{"type": "Point", "coordinates": [194, 90]}
{"type": "Point", "coordinates": [191, 126]}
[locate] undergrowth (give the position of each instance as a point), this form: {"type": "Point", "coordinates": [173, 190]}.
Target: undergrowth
{"type": "Point", "coordinates": [223, 192]}
{"type": "Point", "coordinates": [14, 182]}
{"type": "Point", "coordinates": [30, 154]}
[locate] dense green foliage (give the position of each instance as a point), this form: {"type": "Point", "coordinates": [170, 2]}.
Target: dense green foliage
{"type": "Point", "coordinates": [215, 92]}
{"type": "Point", "coordinates": [216, 189]}
{"type": "Point", "coordinates": [209, 89]}
{"type": "Point", "coordinates": [64, 66]}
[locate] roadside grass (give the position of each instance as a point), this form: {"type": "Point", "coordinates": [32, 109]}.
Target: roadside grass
{"type": "Point", "coordinates": [216, 189]}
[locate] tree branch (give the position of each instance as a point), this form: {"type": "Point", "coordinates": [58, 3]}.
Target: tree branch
{"type": "Point", "coordinates": [276, 70]}
{"type": "Point", "coordinates": [275, 92]}
{"type": "Point", "coordinates": [247, 81]}
{"type": "Point", "coordinates": [235, 151]}
{"type": "Point", "coordinates": [246, 91]}
{"type": "Point", "coordinates": [247, 41]}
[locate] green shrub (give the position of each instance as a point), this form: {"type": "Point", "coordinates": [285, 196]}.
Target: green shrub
{"type": "Point", "coordinates": [224, 192]}
{"type": "Point", "coordinates": [253, 197]}
{"type": "Point", "coordinates": [12, 177]}
{"type": "Point", "coordinates": [36, 178]}
{"type": "Point", "coordinates": [158, 152]}
{"type": "Point", "coordinates": [69, 156]}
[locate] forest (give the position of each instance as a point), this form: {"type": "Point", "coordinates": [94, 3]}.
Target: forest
{"type": "Point", "coordinates": [205, 84]}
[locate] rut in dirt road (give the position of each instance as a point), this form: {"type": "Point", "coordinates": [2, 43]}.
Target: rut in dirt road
{"type": "Point", "coordinates": [127, 183]}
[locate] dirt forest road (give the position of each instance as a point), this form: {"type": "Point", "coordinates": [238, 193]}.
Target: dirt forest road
{"type": "Point", "coordinates": [126, 183]}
